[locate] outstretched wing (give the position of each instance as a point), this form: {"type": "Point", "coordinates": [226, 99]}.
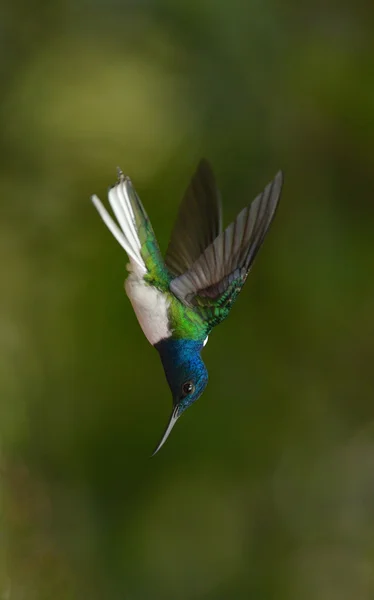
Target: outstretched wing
{"type": "Point", "coordinates": [198, 221]}
{"type": "Point", "coordinates": [134, 233]}
{"type": "Point", "coordinates": [215, 279]}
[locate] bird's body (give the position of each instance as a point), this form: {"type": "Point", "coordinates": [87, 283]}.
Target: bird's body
{"type": "Point", "coordinates": [179, 299]}
{"type": "Point", "coordinates": [151, 306]}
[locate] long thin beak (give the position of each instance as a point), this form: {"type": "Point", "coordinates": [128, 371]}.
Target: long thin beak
{"type": "Point", "coordinates": [173, 420]}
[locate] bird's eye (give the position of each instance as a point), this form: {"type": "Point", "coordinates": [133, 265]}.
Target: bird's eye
{"type": "Point", "coordinates": [187, 388]}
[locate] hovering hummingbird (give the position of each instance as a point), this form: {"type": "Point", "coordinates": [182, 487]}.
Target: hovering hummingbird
{"type": "Point", "coordinates": [180, 298]}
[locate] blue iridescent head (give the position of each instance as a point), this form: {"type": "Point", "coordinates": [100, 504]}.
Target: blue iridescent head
{"type": "Point", "coordinates": [186, 375]}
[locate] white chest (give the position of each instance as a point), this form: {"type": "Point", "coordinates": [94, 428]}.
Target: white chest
{"type": "Point", "coordinates": [150, 307]}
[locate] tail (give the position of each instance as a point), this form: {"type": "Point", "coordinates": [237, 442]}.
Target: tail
{"type": "Point", "coordinates": [135, 233]}
{"type": "Point", "coordinates": [127, 234]}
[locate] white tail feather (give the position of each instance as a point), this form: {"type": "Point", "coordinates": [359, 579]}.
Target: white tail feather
{"type": "Point", "coordinates": [120, 206]}
{"type": "Point", "coordinates": [127, 238]}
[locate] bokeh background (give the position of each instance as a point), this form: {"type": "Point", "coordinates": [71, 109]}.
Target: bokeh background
{"type": "Point", "coordinates": [265, 489]}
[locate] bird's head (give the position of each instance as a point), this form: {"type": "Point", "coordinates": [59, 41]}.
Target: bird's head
{"type": "Point", "coordinates": [186, 374]}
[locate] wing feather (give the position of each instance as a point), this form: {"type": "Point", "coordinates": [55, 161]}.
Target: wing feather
{"type": "Point", "coordinates": [220, 271]}
{"type": "Point", "coordinates": [198, 221]}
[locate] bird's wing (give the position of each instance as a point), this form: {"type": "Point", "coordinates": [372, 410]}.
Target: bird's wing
{"type": "Point", "coordinates": [135, 232]}
{"type": "Point", "coordinates": [198, 221]}
{"type": "Point", "coordinates": [215, 279]}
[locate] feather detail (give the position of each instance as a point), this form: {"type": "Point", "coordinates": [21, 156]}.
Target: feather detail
{"type": "Point", "coordinates": [122, 239]}
{"type": "Point", "coordinates": [121, 207]}
{"type": "Point", "coordinates": [148, 279]}
{"type": "Point", "coordinates": [135, 232]}
{"type": "Point", "coordinates": [198, 221]}
{"type": "Point", "coordinates": [219, 273]}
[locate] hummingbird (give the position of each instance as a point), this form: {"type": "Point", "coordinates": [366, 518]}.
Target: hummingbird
{"type": "Point", "coordinates": [178, 299]}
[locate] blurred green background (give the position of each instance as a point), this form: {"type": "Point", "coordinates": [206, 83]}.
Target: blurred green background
{"type": "Point", "coordinates": [265, 489]}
